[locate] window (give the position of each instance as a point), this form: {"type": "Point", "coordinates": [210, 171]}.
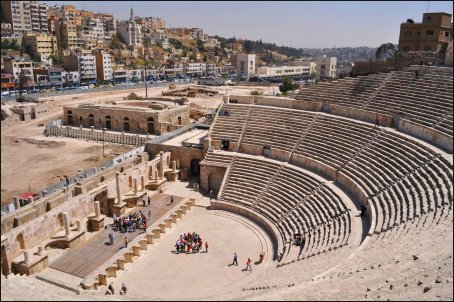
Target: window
{"type": "Point", "coordinates": [407, 33]}
{"type": "Point", "coordinates": [418, 33]}
{"type": "Point", "coordinates": [429, 19]}
{"type": "Point", "coordinates": [430, 33]}
{"type": "Point", "coordinates": [446, 33]}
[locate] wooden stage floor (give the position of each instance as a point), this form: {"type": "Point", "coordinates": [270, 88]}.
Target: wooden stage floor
{"type": "Point", "coordinates": [85, 258]}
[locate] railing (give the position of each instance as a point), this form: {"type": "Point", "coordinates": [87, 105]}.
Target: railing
{"type": "Point", "coordinates": [9, 98]}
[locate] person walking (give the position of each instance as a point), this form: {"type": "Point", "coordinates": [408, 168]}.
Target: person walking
{"type": "Point", "coordinates": [171, 199]}
{"type": "Point", "coordinates": [149, 200]}
{"type": "Point", "coordinates": [211, 194]}
{"type": "Point", "coordinates": [111, 238]}
{"type": "Point", "coordinates": [248, 264]}
{"type": "Point", "coordinates": [377, 121]}
{"type": "Point", "coordinates": [126, 242]}
{"type": "Point", "coordinates": [206, 246]}
{"type": "Point", "coordinates": [124, 289]}
{"type": "Point", "coordinates": [111, 288]}
{"type": "Point", "coordinates": [235, 259]}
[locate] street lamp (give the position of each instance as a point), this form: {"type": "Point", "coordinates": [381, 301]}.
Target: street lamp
{"type": "Point", "coordinates": [103, 140]}
{"type": "Point", "coordinates": [146, 82]}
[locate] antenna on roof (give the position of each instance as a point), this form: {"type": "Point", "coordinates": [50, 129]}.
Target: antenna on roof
{"type": "Point", "coordinates": [427, 6]}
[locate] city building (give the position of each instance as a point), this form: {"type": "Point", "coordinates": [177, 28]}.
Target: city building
{"type": "Point", "coordinates": [71, 78]}
{"type": "Point", "coordinates": [93, 28]}
{"type": "Point", "coordinates": [432, 34]}
{"type": "Point", "coordinates": [7, 29]}
{"type": "Point", "coordinates": [195, 69]}
{"type": "Point", "coordinates": [130, 32]}
{"type": "Point", "coordinates": [85, 64]}
{"type": "Point", "coordinates": [48, 77]}
{"type": "Point", "coordinates": [17, 65]}
{"type": "Point", "coordinates": [104, 66]}
{"type": "Point", "coordinates": [326, 67]}
{"type": "Point", "coordinates": [66, 33]}
{"type": "Point", "coordinates": [245, 65]}
{"type": "Point", "coordinates": [448, 58]}
{"type": "Point", "coordinates": [281, 71]}
{"type": "Point", "coordinates": [25, 16]}
{"type": "Point", "coordinates": [40, 46]}
{"type": "Point", "coordinates": [8, 83]}
{"type": "Point", "coordinates": [161, 39]}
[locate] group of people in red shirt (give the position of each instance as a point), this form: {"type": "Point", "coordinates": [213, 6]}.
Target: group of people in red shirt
{"type": "Point", "coordinates": [190, 242]}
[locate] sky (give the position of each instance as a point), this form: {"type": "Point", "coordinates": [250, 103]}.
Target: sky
{"type": "Point", "coordinates": [311, 24]}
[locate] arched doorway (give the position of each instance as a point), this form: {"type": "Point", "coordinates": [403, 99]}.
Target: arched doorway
{"type": "Point", "coordinates": [20, 241]}
{"type": "Point", "coordinates": [91, 120]}
{"type": "Point", "coordinates": [195, 168]}
{"type": "Point", "coordinates": [70, 118]}
{"type": "Point", "coordinates": [108, 122]}
{"type": "Point", "coordinates": [179, 120]}
{"type": "Point", "coordinates": [150, 123]}
{"type": "Point", "coordinates": [81, 121]}
{"type": "Point", "coordinates": [214, 182]}
{"type": "Point", "coordinates": [126, 124]}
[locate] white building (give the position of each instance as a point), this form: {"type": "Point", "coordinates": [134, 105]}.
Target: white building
{"type": "Point", "coordinates": [85, 64]}
{"type": "Point", "coordinates": [281, 71]}
{"type": "Point", "coordinates": [25, 16]}
{"type": "Point", "coordinates": [104, 66]}
{"type": "Point", "coordinates": [245, 65]}
{"type": "Point", "coordinates": [94, 28]}
{"type": "Point", "coordinates": [130, 32]}
{"type": "Point", "coordinates": [195, 69]}
{"type": "Point", "coordinates": [326, 67]}
{"type": "Point", "coordinates": [160, 38]}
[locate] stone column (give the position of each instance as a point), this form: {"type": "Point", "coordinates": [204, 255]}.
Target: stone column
{"type": "Point", "coordinates": [142, 182]}
{"type": "Point", "coordinates": [148, 137]}
{"type": "Point", "coordinates": [27, 256]}
{"type": "Point", "coordinates": [41, 250]}
{"type": "Point", "coordinates": [79, 224]}
{"type": "Point", "coordinates": [16, 202]}
{"type": "Point", "coordinates": [178, 163]}
{"type": "Point", "coordinates": [97, 208]}
{"type": "Point", "coordinates": [226, 99]}
{"type": "Point", "coordinates": [135, 186]}
{"type": "Point", "coordinates": [156, 176]}
{"type": "Point", "coordinates": [117, 179]}
{"type": "Point", "coordinates": [67, 226]}
{"type": "Point", "coordinates": [161, 156]}
{"type": "Point", "coordinates": [174, 165]}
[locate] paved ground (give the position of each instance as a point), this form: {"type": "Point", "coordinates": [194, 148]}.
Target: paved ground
{"type": "Point", "coordinates": [161, 273]}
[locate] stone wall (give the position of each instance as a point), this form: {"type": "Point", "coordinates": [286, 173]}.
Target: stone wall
{"type": "Point", "coordinates": [29, 113]}
{"type": "Point", "coordinates": [205, 171]}
{"type": "Point", "coordinates": [182, 155]}
{"type": "Point", "coordinates": [97, 135]}
{"type": "Point", "coordinates": [45, 223]}
{"type": "Point", "coordinates": [428, 134]}
{"type": "Point", "coordinates": [138, 119]}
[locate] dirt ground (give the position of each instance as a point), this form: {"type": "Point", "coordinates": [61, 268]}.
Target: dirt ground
{"type": "Point", "coordinates": [32, 161]}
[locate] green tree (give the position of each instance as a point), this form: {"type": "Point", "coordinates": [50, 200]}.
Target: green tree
{"type": "Point", "coordinates": [286, 85]}
{"type": "Point", "coordinates": [200, 45]}
{"type": "Point", "coordinates": [115, 43]}
{"type": "Point", "coordinates": [385, 50]}
{"type": "Point", "coordinates": [184, 53]}
{"type": "Point", "coordinates": [22, 82]}
{"type": "Point", "coordinates": [56, 59]}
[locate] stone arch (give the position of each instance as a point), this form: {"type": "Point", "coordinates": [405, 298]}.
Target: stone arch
{"type": "Point", "coordinates": [70, 117]}
{"type": "Point", "coordinates": [81, 121]}
{"type": "Point", "coordinates": [194, 170]}
{"type": "Point", "coordinates": [108, 122]}
{"type": "Point", "coordinates": [91, 120]}
{"type": "Point", "coordinates": [126, 124]}
{"type": "Point", "coordinates": [179, 120]}
{"type": "Point", "coordinates": [20, 241]}
{"type": "Point", "coordinates": [150, 125]}
{"type": "Point", "coordinates": [214, 182]}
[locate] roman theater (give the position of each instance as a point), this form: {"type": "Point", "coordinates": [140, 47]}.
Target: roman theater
{"type": "Point", "coordinates": [326, 202]}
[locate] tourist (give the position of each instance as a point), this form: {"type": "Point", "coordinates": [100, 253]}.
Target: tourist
{"type": "Point", "coordinates": [211, 194]}
{"type": "Point", "coordinates": [377, 121]}
{"type": "Point", "coordinates": [206, 247]}
{"type": "Point", "coordinates": [124, 289]}
{"type": "Point", "coordinates": [171, 199]}
{"type": "Point", "coordinates": [248, 264]}
{"type": "Point", "coordinates": [363, 210]}
{"type": "Point", "coordinates": [149, 201]}
{"type": "Point", "coordinates": [111, 238]}
{"type": "Point", "coordinates": [235, 259]}
{"type": "Point", "coordinates": [111, 288]}
{"type": "Point", "coordinates": [149, 214]}
{"type": "Point", "coordinates": [67, 181]}
{"type": "Point", "coordinates": [126, 242]}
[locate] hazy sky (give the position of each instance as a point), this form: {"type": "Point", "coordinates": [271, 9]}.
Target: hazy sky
{"type": "Point", "coordinates": [298, 24]}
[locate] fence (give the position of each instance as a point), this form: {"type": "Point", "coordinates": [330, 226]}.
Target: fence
{"type": "Point", "coordinates": [81, 175]}
{"type": "Point", "coordinates": [97, 135]}
{"type": "Point", "coordinates": [9, 98]}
